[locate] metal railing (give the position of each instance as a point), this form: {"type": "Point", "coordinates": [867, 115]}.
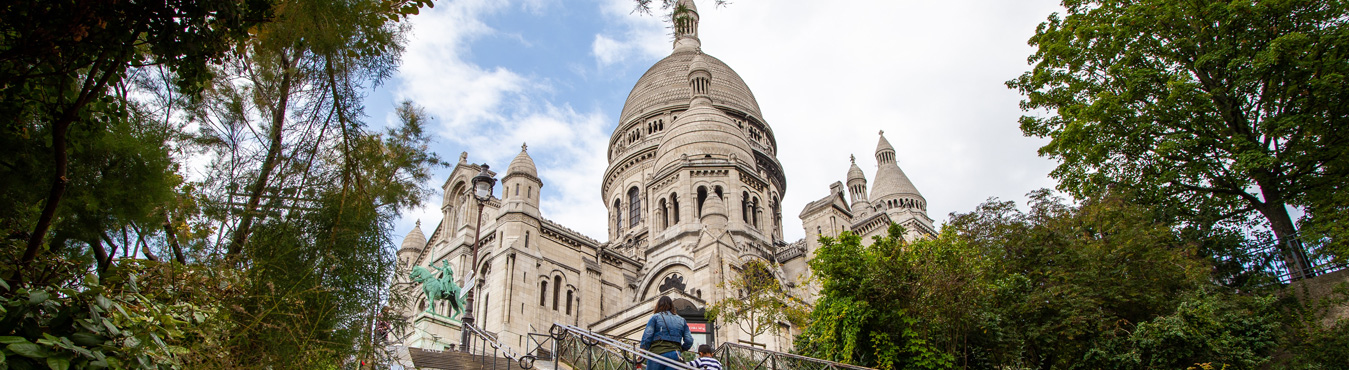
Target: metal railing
{"type": "Point", "coordinates": [487, 350]}
{"type": "Point", "coordinates": [1294, 261]}
{"type": "Point", "coordinates": [742, 357]}
{"type": "Point", "coordinates": [584, 349]}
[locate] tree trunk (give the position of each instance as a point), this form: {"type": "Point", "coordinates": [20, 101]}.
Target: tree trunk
{"type": "Point", "coordinates": [1290, 247]}
{"type": "Point", "coordinates": [60, 164]}
{"type": "Point", "coordinates": [171, 234]}
{"type": "Point", "coordinates": [100, 255]}
{"type": "Point", "coordinates": [241, 232]}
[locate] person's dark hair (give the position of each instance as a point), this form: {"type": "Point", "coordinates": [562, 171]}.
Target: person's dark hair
{"type": "Point", "coordinates": [664, 304]}
{"type": "Point", "coordinates": [706, 348]}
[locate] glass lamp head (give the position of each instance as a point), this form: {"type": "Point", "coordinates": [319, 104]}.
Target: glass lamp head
{"type": "Point", "coordinates": [482, 184]}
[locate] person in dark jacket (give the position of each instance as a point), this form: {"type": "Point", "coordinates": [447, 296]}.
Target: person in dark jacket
{"type": "Point", "coordinates": [666, 334]}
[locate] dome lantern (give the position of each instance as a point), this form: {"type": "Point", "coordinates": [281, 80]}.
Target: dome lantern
{"type": "Point", "coordinates": [685, 21]}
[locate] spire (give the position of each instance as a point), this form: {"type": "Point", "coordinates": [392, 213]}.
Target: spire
{"type": "Point", "coordinates": [890, 180]}
{"type": "Point", "coordinates": [885, 153]}
{"type": "Point", "coordinates": [685, 21]}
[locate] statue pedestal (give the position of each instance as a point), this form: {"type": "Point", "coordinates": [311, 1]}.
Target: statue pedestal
{"type": "Point", "coordinates": [435, 331]}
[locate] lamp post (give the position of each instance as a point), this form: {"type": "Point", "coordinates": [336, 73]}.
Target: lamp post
{"type": "Point", "coordinates": [482, 191]}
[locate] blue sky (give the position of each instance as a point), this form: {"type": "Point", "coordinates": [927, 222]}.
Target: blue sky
{"type": "Point", "coordinates": [827, 75]}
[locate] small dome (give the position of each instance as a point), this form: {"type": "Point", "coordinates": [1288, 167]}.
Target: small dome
{"type": "Point", "coordinates": [523, 164]}
{"type": "Point", "coordinates": [890, 180]}
{"type": "Point", "coordinates": [854, 172]}
{"type": "Point", "coordinates": [700, 132]}
{"type": "Point", "coordinates": [699, 63]}
{"type": "Point", "coordinates": [687, 4]}
{"type": "Point", "coordinates": [415, 240]}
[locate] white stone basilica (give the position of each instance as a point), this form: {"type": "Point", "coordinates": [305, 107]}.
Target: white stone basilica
{"type": "Point", "coordinates": [694, 191]}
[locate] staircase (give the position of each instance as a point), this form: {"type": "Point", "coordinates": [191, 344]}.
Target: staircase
{"type": "Point", "coordinates": [454, 360]}
{"type": "Point", "coordinates": [567, 347]}
{"type": "Point", "coordinates": [581, 349]}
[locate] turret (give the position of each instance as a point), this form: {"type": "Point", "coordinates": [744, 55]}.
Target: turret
{"type": "Point", "coordinates": [521, 185]}
{"type": "Point", "coordinates": [857, 189]}
{"type": "Point", "coordinates": [685, 20]}
{"type": "Point", "coordinates": [895, 195]}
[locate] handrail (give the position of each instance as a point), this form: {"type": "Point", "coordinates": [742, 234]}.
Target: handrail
{"type": "Point", "coordinates": [734, 356]}
{"type": "Point", "coordinates": [499, 350]}
{"type": "Point", "coordinates": [577, 342]}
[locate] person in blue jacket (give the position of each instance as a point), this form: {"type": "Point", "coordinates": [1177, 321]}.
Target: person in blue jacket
{"type": "Point", "coordinates": [666, 334]}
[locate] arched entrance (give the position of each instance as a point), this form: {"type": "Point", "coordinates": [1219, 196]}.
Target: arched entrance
{"type": "Point", "coordinates": [703, 331]}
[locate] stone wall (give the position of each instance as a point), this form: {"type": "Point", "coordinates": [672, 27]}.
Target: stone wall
{"type": "Point", "coordinates": [1321, 290]}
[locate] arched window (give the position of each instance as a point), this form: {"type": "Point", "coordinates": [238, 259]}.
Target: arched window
{"type": "Point", "coordinates": [702, 198]}
{"type": "Point", "coordinates": [543, 293]}
{"type": "Point", "coordinates": [754, 208]}
{"type": "Point", "coordinates": [618, 215]}
{"type": "Point", "coordinates": [557, 284]}
{"type": "Point", "coordinates": [517, 189]}
{"type": "Point", "coordinates": [674, 206]}
{"type": "Point", "coordinates": [744, 206]}
{"type": "Point", "coordinates": [664, 214]}
{"type": "Point", "coordinates": [569, 301]}
{"type": "Point", "coordinates": [634, 206]}
{"type": "Point", "coordinates": [529, 193]}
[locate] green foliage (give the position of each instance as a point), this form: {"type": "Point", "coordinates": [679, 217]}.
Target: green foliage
{"type": "Point", "coordinates": [1212, 111]}
{"type": "Point", "coordinates": [281, 256]}
{"type": "Point", "coordinates": [761, 304]}
{"type": "Point", "coordinates": [122, 322]}
{"type": "Point", "coordinates": [1098, 285]}
{"type": "Point", "coordinates": [895, 305]}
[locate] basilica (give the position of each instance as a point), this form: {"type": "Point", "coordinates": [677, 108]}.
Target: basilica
{"type": "Point", "coordinates": [693, 190]}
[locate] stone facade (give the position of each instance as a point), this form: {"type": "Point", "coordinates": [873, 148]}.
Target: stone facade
{"type": "Point", "coordinates": [693, 191]}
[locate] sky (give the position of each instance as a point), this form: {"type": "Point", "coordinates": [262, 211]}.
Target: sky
{"type": "Point", "coordinates": [554, 74]}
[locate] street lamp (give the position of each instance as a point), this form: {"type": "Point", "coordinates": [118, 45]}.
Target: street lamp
{"type": "Point", "coordinates": [482, 191]}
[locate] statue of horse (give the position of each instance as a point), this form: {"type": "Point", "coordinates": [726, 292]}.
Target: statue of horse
{"type": "Point", "coordinates": [439, 288]}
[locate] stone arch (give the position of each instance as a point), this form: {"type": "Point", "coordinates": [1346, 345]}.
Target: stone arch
{"type": "Point", "coordinates": [450, 206]}
{"type": "Point", "coordinates": [651, 282]}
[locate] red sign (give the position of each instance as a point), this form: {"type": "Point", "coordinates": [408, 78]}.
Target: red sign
{"type": "Point", "coordinates": [698, 327]}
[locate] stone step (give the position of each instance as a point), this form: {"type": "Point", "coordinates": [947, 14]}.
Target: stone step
{"type": "Point", "coordinates": [453, 360]}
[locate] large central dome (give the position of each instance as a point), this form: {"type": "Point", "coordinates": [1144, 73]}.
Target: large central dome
{"type": "Point", "coordinates": [666, 85]}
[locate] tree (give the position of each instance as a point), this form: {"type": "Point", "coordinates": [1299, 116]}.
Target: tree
{"type": "Point", "coordinates": [1104, 285]}
{"type": "Point", "coordinates": [761, 303]}
{"type": "Point", "coordinates": [1214, 111]}
{"type": "Point", "coordinates": [59, 63]}
{"type": "Point", "coordinates": [1100, 285]}
{"type": "Point", "coordinates": [274, 88]}
{"type": "Point", "coordinates": [895, 305]}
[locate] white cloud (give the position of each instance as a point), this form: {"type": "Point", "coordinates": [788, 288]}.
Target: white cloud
{"type": "Point", "coordinates": [489, 111]}
{"type": "Point", "coordinates": [829, 75]}
{"type": "Point", "coordinates": [629, 36]}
